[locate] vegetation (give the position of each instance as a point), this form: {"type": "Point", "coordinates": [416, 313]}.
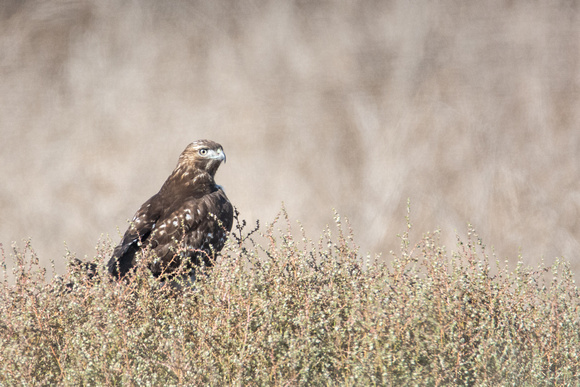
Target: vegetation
{"type": "Point", "coordinates": [290, 311]}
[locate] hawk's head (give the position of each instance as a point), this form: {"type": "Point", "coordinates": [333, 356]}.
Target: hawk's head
{"type": "Point", "coordinates": [204, 155]}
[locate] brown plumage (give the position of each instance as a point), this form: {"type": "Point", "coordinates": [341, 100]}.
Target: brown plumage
{"type": "Point", "coordinates": [189, 217]}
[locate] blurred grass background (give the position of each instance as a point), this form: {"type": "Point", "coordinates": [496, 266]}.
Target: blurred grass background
{"type": "Point", "coordinates": [471, 110]}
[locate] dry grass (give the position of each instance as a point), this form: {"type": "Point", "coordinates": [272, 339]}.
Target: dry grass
{"type": "Point", "coordinates": [299, 312]}
{"type": "Point", "coordinates": [469, 109]}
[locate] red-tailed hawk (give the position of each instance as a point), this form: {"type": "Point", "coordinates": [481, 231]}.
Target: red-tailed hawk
{"type": "Point", "coordinates": [189, 217]}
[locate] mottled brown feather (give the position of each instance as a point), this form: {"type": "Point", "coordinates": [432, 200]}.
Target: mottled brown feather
{"type": "Point", "coordinates": [189, 217]}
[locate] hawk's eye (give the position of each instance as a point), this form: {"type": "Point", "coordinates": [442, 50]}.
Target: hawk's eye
{"type": "Point", "coordinates": [203, 151]}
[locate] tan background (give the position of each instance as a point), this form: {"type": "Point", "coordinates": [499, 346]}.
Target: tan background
{"type": "Point", "coordinates": [470, 109]}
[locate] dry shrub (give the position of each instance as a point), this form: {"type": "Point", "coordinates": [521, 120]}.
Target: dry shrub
{"type": "Point", "coordinates": [292, 311]}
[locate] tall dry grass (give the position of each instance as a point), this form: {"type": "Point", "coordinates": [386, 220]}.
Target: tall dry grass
{"type": "Point", "coordinates": [471, 110]}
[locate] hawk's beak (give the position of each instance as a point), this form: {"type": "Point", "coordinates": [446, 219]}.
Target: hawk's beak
{"type": "Point", "coordinates": [220, 155]}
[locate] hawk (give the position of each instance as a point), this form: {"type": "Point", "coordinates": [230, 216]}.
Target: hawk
{"type": "Point", "coordinates": [186, 221]}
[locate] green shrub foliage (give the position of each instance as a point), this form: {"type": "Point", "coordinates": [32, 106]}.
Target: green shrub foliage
{"type": "Point", "coordinates": [277, 309]}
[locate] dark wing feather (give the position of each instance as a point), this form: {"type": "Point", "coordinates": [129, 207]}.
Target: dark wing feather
{"type": "Point", "coordinates": [198, 225]}
{"type": "Point", "coordinates": [143, 223]}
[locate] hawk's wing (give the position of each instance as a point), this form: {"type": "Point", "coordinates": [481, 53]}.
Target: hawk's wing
{"type": "Point", "coordinates": [141, 226]}
{"type": "Point", "coordinates": [197, 226]}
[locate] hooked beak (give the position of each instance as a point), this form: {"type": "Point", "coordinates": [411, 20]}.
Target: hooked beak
{"type": "Point", "coordinates": [220, 155]}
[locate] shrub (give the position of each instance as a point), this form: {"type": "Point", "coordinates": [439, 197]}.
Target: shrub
{"type": "Point", "coordinates": [290, 311]}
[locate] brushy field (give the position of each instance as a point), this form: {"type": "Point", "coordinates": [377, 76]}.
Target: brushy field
{"type": "Point", "coordinates": [292, 311]}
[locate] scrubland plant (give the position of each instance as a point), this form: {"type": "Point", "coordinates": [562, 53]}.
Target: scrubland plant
{"type": "Point", "coordinates": [281, 309]}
